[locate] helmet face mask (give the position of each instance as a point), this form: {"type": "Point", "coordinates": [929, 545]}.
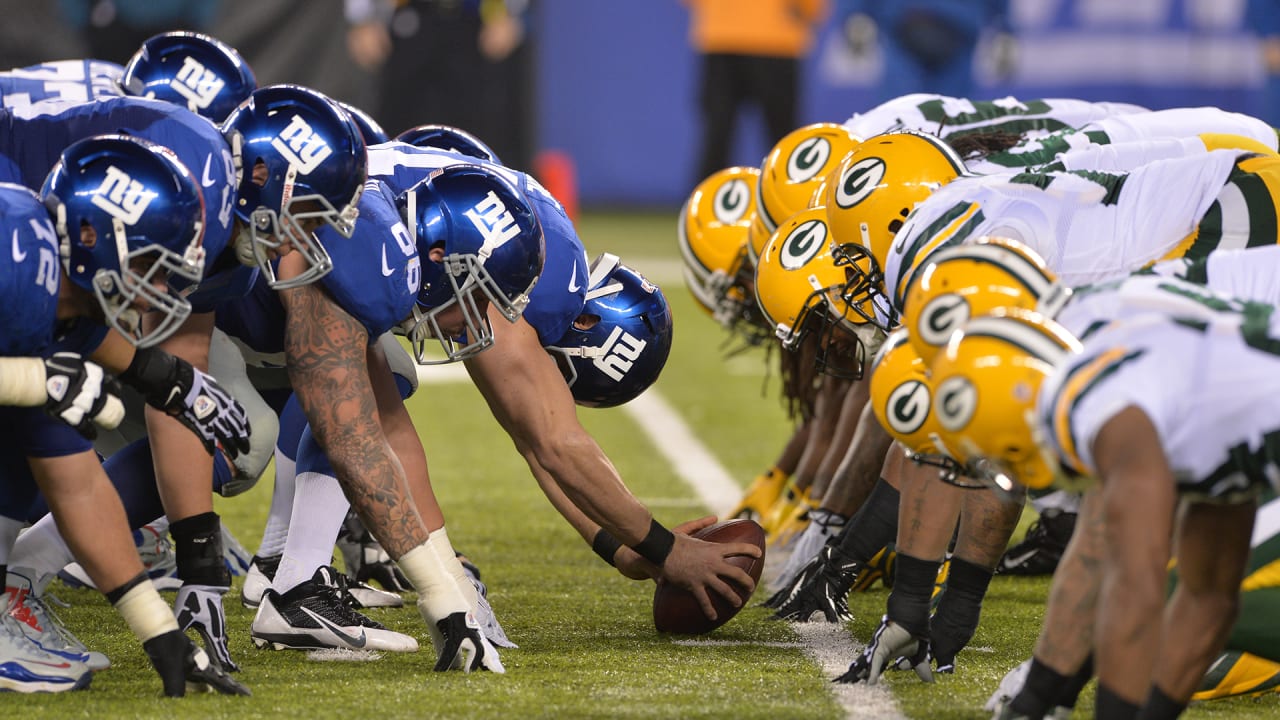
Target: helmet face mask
{"type": "Point", "coordinates": [863, 291]}
{"type": "Point", "coordinates": [481, 245]}
{"type": "Point", "coordinates": [129, 218]}
{"type": "Point", "coordinates": [301, 164]}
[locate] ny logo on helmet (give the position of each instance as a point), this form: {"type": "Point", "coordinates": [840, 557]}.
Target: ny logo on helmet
{"type": "Point", "coordinates": [301, 146]}
{"type": "Point", "coordinates": [802, 244]}
{"type": "Point", "coordinates": [493, 220]}
{"type": "Point", "coordinates": [619, 352]}
{"type": "Point", "coordinates": [808, 159]}
{"type": "Point", "coordinates": [197, 84]}
{"type": "Point", "coordinates": [122, 197]}
{"type": "Point", "coordinates": [732, 200]}
{"type": "Point", "coordinates": [908, 407]}
{"type": "Point", "coordinates": [859, 181]}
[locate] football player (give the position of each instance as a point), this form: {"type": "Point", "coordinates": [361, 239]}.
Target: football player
{"type": "Point", "coordinates": [189, 69]}
{"type": "Point", "coordinates": [115, 268]}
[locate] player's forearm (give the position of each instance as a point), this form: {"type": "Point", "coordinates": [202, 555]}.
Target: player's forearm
{"type": "Point", "coordinates": [325, 353]}
{"type": "Point", "coordinates": [592, 484]}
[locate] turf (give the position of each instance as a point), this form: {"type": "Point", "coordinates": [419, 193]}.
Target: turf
{"type": "Point", "coordinates": [587, 644]}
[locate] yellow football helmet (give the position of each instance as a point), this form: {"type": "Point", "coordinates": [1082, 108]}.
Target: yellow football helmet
{"type": "Point", "coordinates": [875, 189]}
{"type": "Point", "coordinates": [712, 233]}
{"type": "Point", "coordinates": [795, 166]}
{"type": "Point", "coordinates": [960, 282]}
{"type": "Point", "coordinates": [901, 395]}
{"type": "Point", "coordinates": [798, 288]}
{"type": "Point", "coordinates": [986, 382]}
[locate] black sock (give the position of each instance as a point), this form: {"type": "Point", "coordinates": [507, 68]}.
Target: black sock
{"type": "Point", "coordinates": [197, 543]}
{"type": "Point", "coordinates": [1036, 698]}
{"type": "Point", "coordinates": [956, 618]}
{"type": "Point", "coordinates": [1071, 690]}
{"type": "Point", "coordinates": [908, 604]}
{"type": "Point", "coordinates": [874, 525]}
{"type": "Point", "coordinates": [1160, 706]}
{"type": "Point", "coordinates": [1109, 706]}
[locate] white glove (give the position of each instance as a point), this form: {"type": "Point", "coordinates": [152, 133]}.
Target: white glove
{"type": "Point", "coordinates": [890, 641]}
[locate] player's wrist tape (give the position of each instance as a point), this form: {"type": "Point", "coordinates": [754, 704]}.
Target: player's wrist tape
{"type": "Point", "coordinates": [143, 610]}
{"type": "Point", "coordinates": [22, 382]}
{"type": "Point", "coordinates": [656, 546]}
{"type": "Point", "coordinates": [606, 546]}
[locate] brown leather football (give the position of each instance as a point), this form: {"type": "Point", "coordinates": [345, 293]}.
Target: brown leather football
{"type": "Point", "coordinates": [676, 611]}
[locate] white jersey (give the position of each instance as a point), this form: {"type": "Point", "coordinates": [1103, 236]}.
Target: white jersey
{"type": "Point", "coordinates": [942, 115]}
{"type": "Point", "coordinates": [1201, 366]}
{"type": "Point", "coordinates": [1244, 273]}
{"type": "Point", "coordinates": [1087, 226]}
{"type": "Point", "coordinates": [1124, 142]}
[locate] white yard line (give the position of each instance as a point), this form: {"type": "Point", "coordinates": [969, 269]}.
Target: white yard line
{"type": "Point", "coordinates": [831, 646]}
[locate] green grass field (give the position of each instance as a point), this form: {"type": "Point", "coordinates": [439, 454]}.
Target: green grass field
{"type": "Point", "coordinates": [587, 644]}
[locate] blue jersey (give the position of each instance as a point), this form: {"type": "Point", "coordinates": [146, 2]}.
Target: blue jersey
{"type": "Point", "coordinates": [64, 81]}
{"type": "Point", "coordinates": [375, 278]}
{"type": "Point", "coordinates": [29, 274]}
{"type": "Point", "coordinates": [31, 142]}
{"type": "Point", "coordinates": [561, 291]}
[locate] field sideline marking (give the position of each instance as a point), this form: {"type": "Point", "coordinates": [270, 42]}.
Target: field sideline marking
{"type": "Point", "coordinates": [829, 645]}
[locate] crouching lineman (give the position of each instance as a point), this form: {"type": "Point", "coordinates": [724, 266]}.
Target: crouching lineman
{"type": "Point", "coordinates": [1106, 407]}
{"type": "Point", "coordinates": [95, 292]}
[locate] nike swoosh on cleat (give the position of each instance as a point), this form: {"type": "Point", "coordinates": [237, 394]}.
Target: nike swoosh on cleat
{"type": "Point", "coordinates": [1012, 562]}
{"type": "Point", "coordinates": [386, 271]}
{"type": "Point", "coordinates": [357, 641]}
{"type": "Point", "coordinates": [18, 254]}
{"type": "Point", "coordinates": [205, 180]}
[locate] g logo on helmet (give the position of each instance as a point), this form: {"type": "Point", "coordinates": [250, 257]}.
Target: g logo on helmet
{"type": "Point", "coordinates": [859, 181]}
{"type": "Point", "coordinates": [808, 159]}
{"type": "Point", "coordinates": [940, 317]}
{"type": "Point", "coordinates": [907, 407]}
{"type": "Point", "coordinates": [806, 241]}
{"type": "Point", "coordinates": [956, 403]}
{"type": "Point", "coordinates": [731, 201]}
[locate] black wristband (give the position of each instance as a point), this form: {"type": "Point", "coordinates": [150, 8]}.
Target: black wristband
{"type": "Point", "coordinates": [606, 546]}
{"type": "Point", "coordinates": [656, 546]}
{"type": "Point", "coordinates": [153, 372]}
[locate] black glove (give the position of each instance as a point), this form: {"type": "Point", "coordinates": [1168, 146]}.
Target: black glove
{"type": "Point", "coordinates": [81, 394]}
{"type": "Point", "coordinates": [177, 387]}
{"type": "Point", "coordinates": [464, 647]}
{"type": "Point", "coordinates": [824, 589]}
{"type": "Point", "coordinates": [182, 664]}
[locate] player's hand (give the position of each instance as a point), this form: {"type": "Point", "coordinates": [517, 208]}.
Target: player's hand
{"type": "Point", "coordinates": [199, 607]}
{"type": "Point", "coordinates": [81, 394]}
{"type": "Point", "coordinates": [182, 665]}
{"type": "Point", "coordinates": [463, 647]}
{"type": "Point", "coordinates": [890, 641]}
{"type": "Point", "coordinates": [702, 568]}
{"type": "Point", "coordinates": [200, 403]}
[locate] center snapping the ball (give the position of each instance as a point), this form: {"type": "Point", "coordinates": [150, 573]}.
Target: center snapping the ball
{"type": "Point", "coordinates": [675, 610]}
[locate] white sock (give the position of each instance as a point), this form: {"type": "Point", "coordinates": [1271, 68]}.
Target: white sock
{"type": "Point", "coordinates": [277, 529]}
{"type": "Point", "coordinates": [41, 548]}
{"type": "Point", "coordinates": [319, 507]}
{"type": "Point", "coordinates": [9, 529]}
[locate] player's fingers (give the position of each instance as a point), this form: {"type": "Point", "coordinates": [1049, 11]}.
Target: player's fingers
{"type": "Point", "coordinates": [739, 576]}
{"type": "Point", "coordinates": [692, 526]}
{"type": "Point", "coordinates": [704, 602]}
{"type": "Point", "coordinates": [740, 548]}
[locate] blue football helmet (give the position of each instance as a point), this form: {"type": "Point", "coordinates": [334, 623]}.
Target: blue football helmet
{"type": "Point", "coordinates": [130, 223]}
{"type": "Point", "coordinates": [301, 163]}
{"type": "Point", "coordinates": [444, 137]}
{"type": "Point", "coordinates": [29, 282]}
{"type": "Point", "coordinates": [370, 130]}
{"type": "Point", "coordinates": [618, 345]}
{"type": "Point", "coordinates": [198, 72]}
{"type": "Point", "coordinates": [492, 243]}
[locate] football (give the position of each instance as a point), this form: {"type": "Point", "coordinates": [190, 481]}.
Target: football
{"type": "Point", "coordinates": [676, 611]}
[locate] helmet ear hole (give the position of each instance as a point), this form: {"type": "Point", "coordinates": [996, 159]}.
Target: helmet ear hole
{"type": "Point", "coordinates": [586, 321]}
{"type": "Point", "coordinates": [88, 236]}
{"type": "Point", "coordinates": [260, 173]}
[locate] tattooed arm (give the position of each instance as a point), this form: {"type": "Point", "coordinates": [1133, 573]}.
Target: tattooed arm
{"type": "Point", "coordinates": [325, 348]}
